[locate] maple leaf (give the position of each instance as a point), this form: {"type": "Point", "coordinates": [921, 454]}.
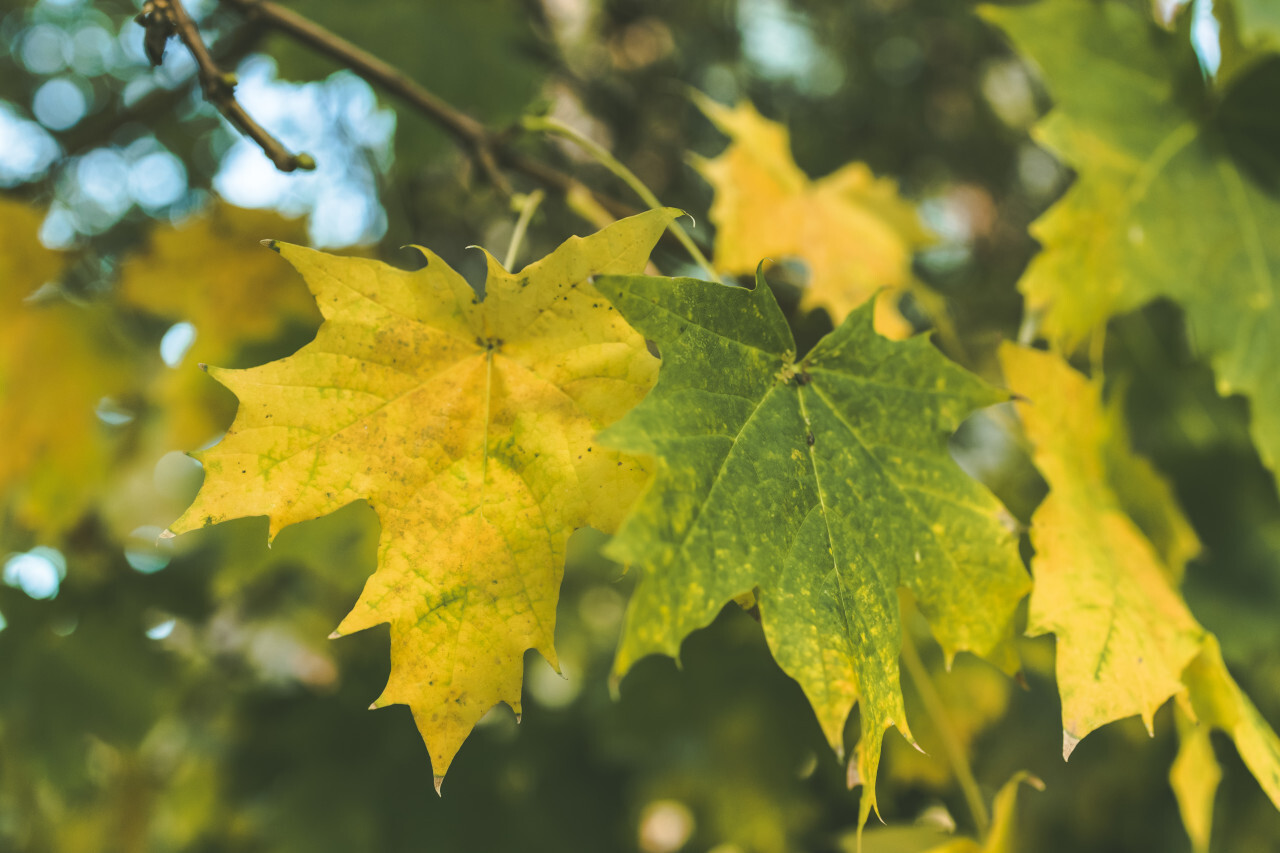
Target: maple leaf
{"type": "Point", "coordinates": [824, 485]}
{"type": "Point", "coordinates": [852, 229]}
{"type": "Point", "coordinates": [1126, 640]}
{"type": "Point", "coordinates": [57, 362]}
{"type": "Point", "coordinates": [469, 426]}
{"type": "Point", "coordinates": [1146, 153]}
{"type": "Point", "coordinates": [1124, 634]}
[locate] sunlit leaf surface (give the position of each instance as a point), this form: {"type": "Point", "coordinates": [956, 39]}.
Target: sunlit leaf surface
{"type": "Point", "coordinates": [469, 426]}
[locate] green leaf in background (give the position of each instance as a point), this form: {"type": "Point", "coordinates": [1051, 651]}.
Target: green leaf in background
{"type": "Point", "coordinates": [1159, 208]}
{"type": "Point", "coordinates": [1250, 33]}
{"type": "Point", "coordinates": [823, 485]}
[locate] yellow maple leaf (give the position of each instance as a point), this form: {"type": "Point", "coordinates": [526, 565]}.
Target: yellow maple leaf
{"type": "Point", "coordinates": [57, 361]}
{"type": "Point", "coordinates": [469, 426]}
{"type": "Point", "coordinates": [1124, 633]}
{"type": "Point", "coordinates": [852, 229]}
{"type": "Point", "coordinates": [1126, 639]}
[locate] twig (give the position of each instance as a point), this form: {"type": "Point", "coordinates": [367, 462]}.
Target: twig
{"type": "Point", "coordinates": [527, 208]}
{"type": "Point", "coordinates": [228, 50]}
{"type": "Point", "coordinates": [165, 18]}
{"type": "Point", "coordinates": [488, 148]}
{"type": "Point", "coordinates": [937, 711]}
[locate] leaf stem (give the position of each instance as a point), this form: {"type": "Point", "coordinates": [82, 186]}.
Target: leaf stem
{"type": "Point", "coordinates": [527, 208]}
{"type": "Point", "coordinates": [937, 711]}
{"type": "Point", "coordinates": [544, 124]}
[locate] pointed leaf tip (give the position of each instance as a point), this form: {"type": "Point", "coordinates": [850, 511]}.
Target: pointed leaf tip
{"type": "Point", "coordinates": [439, 783]}
{"type": "Point", "coordinates": [335, 635]}
{"type": "Point", "coordinates": [853, 777]}
{"type": "Point", "coordinates": [166, 534]}
{"type": "Point", "coordinates": [1069, 742]}
{"type": "Point", "coordinates": [272, 245]}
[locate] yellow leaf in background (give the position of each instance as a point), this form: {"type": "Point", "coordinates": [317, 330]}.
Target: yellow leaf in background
{"type": "Point", "coordinates": [1219, 703]}
{"type": "Point", "coordinates": [211, 272]}
{"type": "Point", "coordinates": [1124, 634]}
{"type": "Point", "coordinates": [1194, 777]}
{"type": "Point", "coordinates": [469, 426]}
{"type": "Point", "coordinates": [852, 229]}
{"type": "Point", "coordinates": [1125, 638]}
{"type": "Point", "coordinates": [26, 263]}
{"type": "Point", "coordinates": [57, 362]}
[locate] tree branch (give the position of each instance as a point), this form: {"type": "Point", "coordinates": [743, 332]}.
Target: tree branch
{"type": "Point", "coordinates": [97, 129]}
{"type": "Point", "coordinates": [488, 148]}
{"type": "Point", "coordinates": [165, 18]}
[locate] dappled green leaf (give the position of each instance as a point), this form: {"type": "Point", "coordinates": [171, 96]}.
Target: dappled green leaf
{"type": "Point", "coordinates": [822, 484]}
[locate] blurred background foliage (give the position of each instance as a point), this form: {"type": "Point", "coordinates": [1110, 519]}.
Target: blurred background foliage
{"type": "Point", "coordinates": [181, 695]}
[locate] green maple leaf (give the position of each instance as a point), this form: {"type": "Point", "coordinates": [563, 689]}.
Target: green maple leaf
{"type": "Point", "coordinates": [1159, 209]}
{"type": "Point", "coordinates": [469, 426]}
{"type": "Point", "coordinates": [822, 485]}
